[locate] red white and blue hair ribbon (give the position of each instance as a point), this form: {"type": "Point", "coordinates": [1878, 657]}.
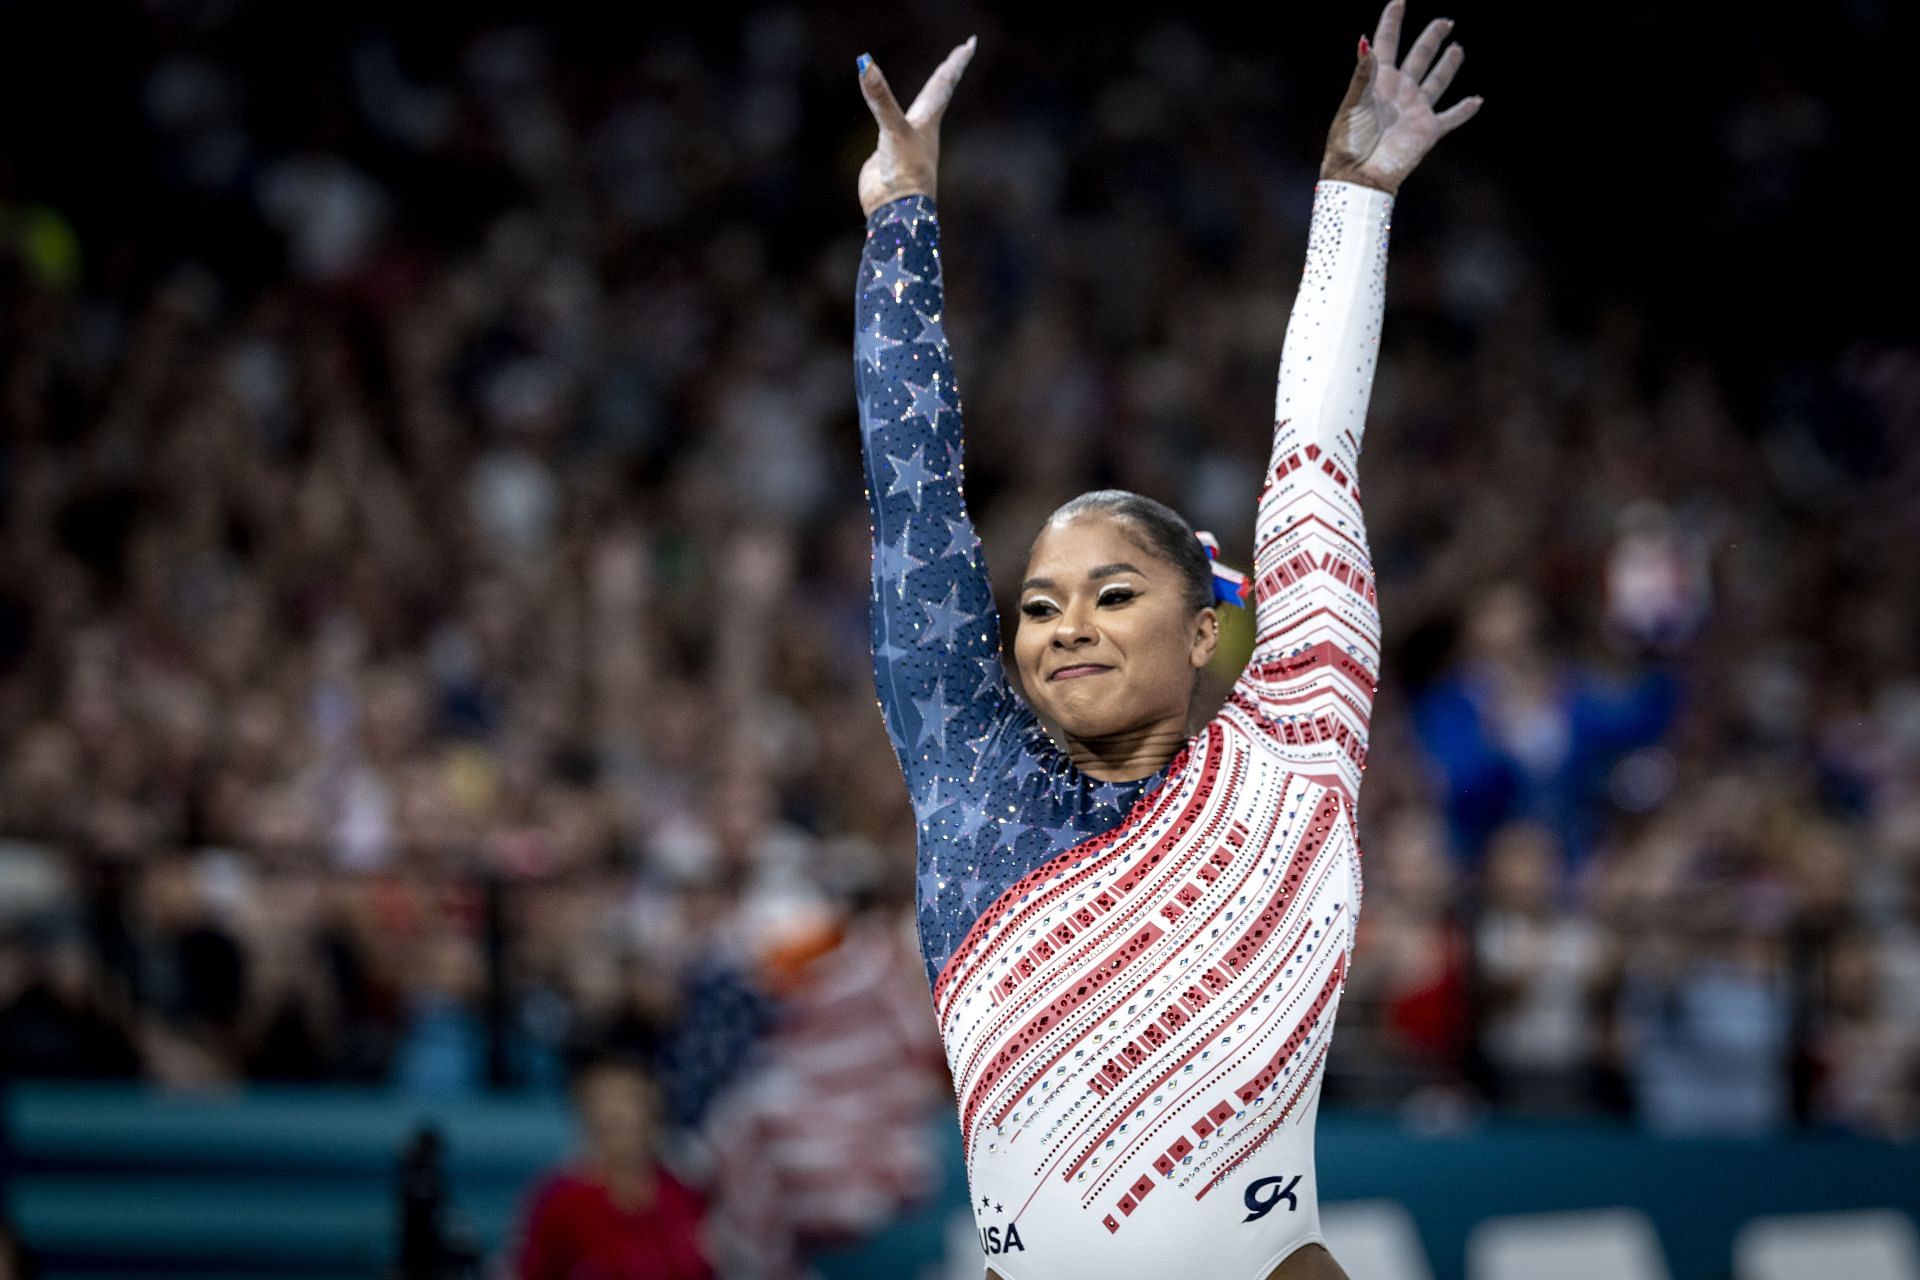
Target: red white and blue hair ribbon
{"type": "Point", "coordinates": [1230, 586]}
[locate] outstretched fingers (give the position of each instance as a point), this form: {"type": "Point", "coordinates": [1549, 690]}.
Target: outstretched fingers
{"type": "Point", "coordinates": [1458, 114]}
{"type": "Point", "coordinates": [1386, 36]}
{"type": "Point", "coordinates": [1420, 58]}
{"type": "Point", "coordinates": [880, 100]}
{"type": "Point", "coordinates": [1442, 74]}
{"type": "Point", "coordinates": [931, 102]}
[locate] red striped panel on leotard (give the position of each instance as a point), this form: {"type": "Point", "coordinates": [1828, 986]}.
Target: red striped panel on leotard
{"type": "Point", "coordinates": [993, 929]}
{"type": "Point", "coordinates": [1076, 950]}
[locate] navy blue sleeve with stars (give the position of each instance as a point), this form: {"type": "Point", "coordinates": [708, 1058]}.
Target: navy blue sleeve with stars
{"type": "Point", "coordinates": [992, 796]}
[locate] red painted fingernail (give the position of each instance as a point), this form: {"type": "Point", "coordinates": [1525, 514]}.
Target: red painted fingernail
{"type": "Point", "coordinates": [1363, 46]}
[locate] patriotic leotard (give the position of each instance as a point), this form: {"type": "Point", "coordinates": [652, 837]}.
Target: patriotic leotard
{"type": "Point", "coordinates": [1135, 982]}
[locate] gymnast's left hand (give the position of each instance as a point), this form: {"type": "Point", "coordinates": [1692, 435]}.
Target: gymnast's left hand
{"type": "Point", "coordinates": [906, 162]}
{"type": "Point", "coordinates": [1389, 119]}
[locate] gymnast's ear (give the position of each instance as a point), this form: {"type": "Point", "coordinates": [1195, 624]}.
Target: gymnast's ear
{"type": "Point", "coordinates": [1206, 637]}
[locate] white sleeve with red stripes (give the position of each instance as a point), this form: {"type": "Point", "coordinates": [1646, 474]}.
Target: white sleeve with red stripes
{"type": "Point", "coordinates": [1317, 656]}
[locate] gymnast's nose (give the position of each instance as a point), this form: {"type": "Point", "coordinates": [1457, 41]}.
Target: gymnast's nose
{"type": "Point", "coordinates": [1073, 630]}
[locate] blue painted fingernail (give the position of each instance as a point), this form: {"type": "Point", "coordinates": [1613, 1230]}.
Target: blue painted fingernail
{"type": "Point", "coordinates": [862, 62]}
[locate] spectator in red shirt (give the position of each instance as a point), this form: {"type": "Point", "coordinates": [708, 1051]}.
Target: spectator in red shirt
{"type": "Point", "coordinates": [616, 1214]}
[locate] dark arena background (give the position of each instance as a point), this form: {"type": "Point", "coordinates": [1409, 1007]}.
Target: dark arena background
{"type": "Point", "coordinates": [433, 615]}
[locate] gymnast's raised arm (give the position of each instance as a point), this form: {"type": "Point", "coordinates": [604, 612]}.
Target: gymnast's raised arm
{"type": "Point", "coordinates": [936, 634]}
{"type": "Point", "coordinates": [1316, 656]}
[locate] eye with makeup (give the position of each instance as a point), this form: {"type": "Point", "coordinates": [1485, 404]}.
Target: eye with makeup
{"type": "Point", "coordinates": [1110, 597]}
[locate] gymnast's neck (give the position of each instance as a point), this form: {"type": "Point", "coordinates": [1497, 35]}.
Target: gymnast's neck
{"type": "Point", "coordinates": [1131, 754]}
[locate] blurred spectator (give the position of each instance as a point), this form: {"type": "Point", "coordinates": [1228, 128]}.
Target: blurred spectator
{"type": "Point", "coordinates": [189, 976]}
{"type": "Point", "coordinates": [1410, 998]}
{"type": "Point", "coordinates": [1706, 1021]}
{"type": "Point", "coordinates": [1514, 732]}
{"type": "Point", "coordinates": [433, 1242]}
{"type": "Point", "coordinates": [442, 1048]}
{"type": "Point", "coordinates": [1542, 971]}
{"type": "Point", "coordinates": [1870, 1054]}
{"type": "Point", "coordinates": [618, 1211]}
{"type": "Point", "coordinates": [56, 1021]}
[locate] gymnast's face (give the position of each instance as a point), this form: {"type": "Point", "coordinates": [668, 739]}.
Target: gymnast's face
{"type": "Point", "coordinates": [1108, 642]}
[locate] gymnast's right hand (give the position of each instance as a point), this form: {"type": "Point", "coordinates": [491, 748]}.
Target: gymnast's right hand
{"type": "Point", "coordinates": [907, 159]}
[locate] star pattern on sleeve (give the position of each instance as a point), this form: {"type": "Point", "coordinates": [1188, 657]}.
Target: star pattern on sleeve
{"type": "Point", "coordinates": [927, 401]}
{"type": "Point", "coordinates": [870, 343]}
{"type": "Point", "coordinates": [961, 539]}
{"type": "Point", "coordinates": [891, 274]}
{"type": "Point", "coordinates": [972, 820]}
{"type": "Point", "coordinates": [1063, 837]}
{"type": "Point", "coordinates": [991, 795]}
{"type": "Point", "coordinates": [895, 562]}
{"type": "Point", "coordinates": [930, 801]}
{"type": "Point", "coordinates": [945, 617]}
{"type": "Point", "coordinates": [992, 672]}
{"type": "Point", "coordinates": [934, 713]}
{"type": "Point", "coordinates": [1010, 833]}
{"type": "Point", "coordinates": [910, 474]}
{"type": "Point", "coordinates": [906, 213]}
{"type": "Point", "coordinates": [977, 748]}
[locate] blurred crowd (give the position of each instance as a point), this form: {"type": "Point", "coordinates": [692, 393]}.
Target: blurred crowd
{"type": "Point", "coordinates": [434, 577]}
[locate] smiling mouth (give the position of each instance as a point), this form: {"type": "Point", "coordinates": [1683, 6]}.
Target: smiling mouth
{"type": "Point", "coordinates": [1074, 673]}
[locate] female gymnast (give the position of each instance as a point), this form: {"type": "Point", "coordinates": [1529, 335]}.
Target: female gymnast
{"type": "Point", "coordinates": [1137, 939]}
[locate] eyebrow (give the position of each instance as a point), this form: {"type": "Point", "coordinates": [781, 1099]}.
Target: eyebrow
{"type": "Point", "coordinates": [1093, 575]}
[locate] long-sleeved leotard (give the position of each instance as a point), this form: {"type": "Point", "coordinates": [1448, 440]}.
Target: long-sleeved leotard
{"type": "Point", "coordinates": [1135, 982]}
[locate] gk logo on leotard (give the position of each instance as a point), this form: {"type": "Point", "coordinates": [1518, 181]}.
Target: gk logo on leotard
{"type": "Point", "coordinates": [1259, 1206]}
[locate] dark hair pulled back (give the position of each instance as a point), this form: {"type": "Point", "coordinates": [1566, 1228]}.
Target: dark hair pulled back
{"type": "Point", "coordinates": [1159, 529]}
